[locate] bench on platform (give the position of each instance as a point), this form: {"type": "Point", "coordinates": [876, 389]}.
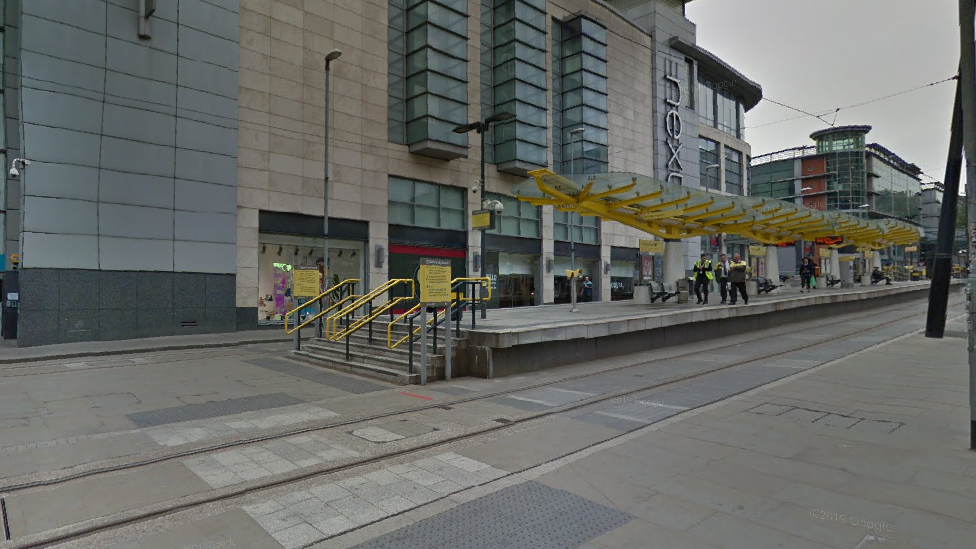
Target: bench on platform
{"type": "Point", "coordinates": [662, 292]}
{"type": "Point", "coordinates": [765, 285]}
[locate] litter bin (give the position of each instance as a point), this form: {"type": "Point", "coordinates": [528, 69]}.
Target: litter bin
{"type": "Point", "coordinates": [683, 287]}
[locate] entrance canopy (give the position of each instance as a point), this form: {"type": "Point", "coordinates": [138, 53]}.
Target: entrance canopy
{"type": "Point", "coordinates": [672, 211]}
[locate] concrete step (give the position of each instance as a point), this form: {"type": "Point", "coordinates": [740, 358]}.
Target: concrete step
{"type": "Point", "coordinates": [389, 375]}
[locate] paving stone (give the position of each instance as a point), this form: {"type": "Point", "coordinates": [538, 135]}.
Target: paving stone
{"type": "Point", "coordinates": [329, 492]}
{"type": "Point", "coordinates": [872, 426]}
{"type": "Point", "coordinates": [834, 420]}
{"type": "Point", "coordinates": [348, 384]}
{"type": "Point", "coordinates": [298, 536]}
{"type": "Point", "coordinates": [803, 415]}
{"type": "Point", "coordinates": [376, 434]}
{"type": "Point", "coordinates": [207, 410]}
{"type": "Point", "coordinates": [770, 409]}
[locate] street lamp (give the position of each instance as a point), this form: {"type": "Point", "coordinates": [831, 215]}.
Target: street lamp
{"type": "Point", "coordinates": [329, 58]}
{"type": "Point", "coordinates": [572, 215]}
{"type": "Point", "coordinates": [482, 128]}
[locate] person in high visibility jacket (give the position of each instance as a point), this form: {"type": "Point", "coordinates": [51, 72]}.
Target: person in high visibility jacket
{"type": "Point", "coordinates": [737, 278]}
{"type": "Point", "coordinates": [703, 277]}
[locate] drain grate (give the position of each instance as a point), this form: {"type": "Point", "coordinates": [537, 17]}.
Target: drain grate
{"type": "Point", "coordinates": [6, 525]}
{"type": "Point", "coordinates": [502, 420]}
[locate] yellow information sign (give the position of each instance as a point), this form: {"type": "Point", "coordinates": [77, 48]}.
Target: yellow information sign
{"type": "Point", "coordinates": [911, 248]}
{"type": "Point", "coordinates": [825, 252]}
{"type": "Point", "coordinates": [481, 220]}
{"type": "Point", "coordinates": [651, 246]}
{"type": "Point", "coordinates": [757, 251]}
{"type": "Point", "coordinates": [847, 258]}
{"type": "Point", "coordinates": [435, 281]}
{"type": "Point", "coordinates": [869, 254]}
{"type": "Point", "coordinates": [306, 279]}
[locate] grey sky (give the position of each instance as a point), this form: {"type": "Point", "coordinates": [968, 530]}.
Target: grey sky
{"type": "Point", "coordinates": [822, 54]}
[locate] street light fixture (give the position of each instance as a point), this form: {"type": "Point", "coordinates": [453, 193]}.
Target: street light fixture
{"type": "Point", "coordinates": [482, 128]}
{"type": "Point", "coordinates": [329, 58]}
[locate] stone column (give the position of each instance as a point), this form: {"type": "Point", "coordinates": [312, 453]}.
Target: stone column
{"type": "Point", "coordinates": [674, 261]}
{"type": "Point", "coordinates": [548, 249]}
{"type": "Point", "coordinates": [834, 263]}
{"type": "Point", "coordinates": [604, 261]}
{"type": "Point", "coordinates": [772, 264]}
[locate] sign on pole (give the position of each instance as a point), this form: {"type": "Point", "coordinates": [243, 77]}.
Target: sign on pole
{"type": "Point", "coordinates": [911, 248]}
{"type": "Point", "coordinates": [435, 282]}
{"type": "Point", "coordinates": [652, 246]}
{"type": "Point", "coordinates": [482, 220]}
{"type": "Point", "coordinates": [869, 254]}
{"type": "Point", "coordinates": [306, 278]}
{"type": "Point", "coordinates": [757, 251]}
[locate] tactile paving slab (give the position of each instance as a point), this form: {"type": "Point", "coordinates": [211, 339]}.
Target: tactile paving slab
{"type": "Point", "coordinates": [206, 410]}
{"type": "Point", "coordinates": [322, 377]}
{"type": "Point", "coordinates": [527, 515]}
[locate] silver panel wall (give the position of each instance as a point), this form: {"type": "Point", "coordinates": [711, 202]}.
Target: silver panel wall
{"type": "Point", "coordinates": [132, 186]}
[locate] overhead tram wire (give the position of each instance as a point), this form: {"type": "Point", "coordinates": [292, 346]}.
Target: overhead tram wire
{"type": "Point", "coordinates": [838, 109]}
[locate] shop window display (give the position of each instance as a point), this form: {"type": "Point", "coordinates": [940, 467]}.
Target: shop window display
{"type": "Point", "coordinates": [278, 255]}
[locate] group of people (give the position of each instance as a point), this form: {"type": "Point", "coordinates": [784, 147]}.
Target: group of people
{"type": "Point", "coordinates": [731, 277]}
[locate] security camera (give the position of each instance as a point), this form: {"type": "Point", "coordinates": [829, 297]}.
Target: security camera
{"type": "Point", "coordinates": [498, 207]}
{"type": "Point", "coordinates": [14, 173]}
{"type": "Point", "coordinates": [474, 189]}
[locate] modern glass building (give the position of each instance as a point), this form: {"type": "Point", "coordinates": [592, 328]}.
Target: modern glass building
{"type": "Point", "coordinates": [178, 159]}
{"type": "Point", "coordinates": [844, 172]}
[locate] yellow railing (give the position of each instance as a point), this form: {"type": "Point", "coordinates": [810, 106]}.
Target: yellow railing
{"type": "Point", "coordinates": [332, 323]}
{"type": "Point", "coordinates": [338, 287]}
{"type": "Point", "coordinates": [485, 283]}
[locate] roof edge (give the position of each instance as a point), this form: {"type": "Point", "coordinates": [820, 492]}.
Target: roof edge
{"type": "Point", "coordinates": [747, 90]}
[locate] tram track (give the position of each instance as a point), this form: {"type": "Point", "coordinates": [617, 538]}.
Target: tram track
{"type": "Point", "coordinates": [163, 509]}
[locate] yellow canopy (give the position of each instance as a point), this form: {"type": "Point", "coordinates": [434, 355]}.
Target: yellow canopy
{"type": "Point", "coordinates": [671, 211]}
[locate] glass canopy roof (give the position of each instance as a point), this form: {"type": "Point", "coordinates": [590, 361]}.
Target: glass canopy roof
{"type": "Point", "coordinates": [671, 211]}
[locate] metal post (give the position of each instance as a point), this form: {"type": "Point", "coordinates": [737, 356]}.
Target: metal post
{"type": "Point", "coordinates": [435, 330]}
{"type": "Point", "coordinates": [347, 338]}
{"type": "Point", "coordinates": [410, 345]}
{"type": "Point", "coordinates": [474, 307]}
{"type": "Point", "coordinates": [484, 238]}
{"type": "Point", "coordinates": [942, 266]}
{"type": "Point", "coordinates": [447, 346]}
{"type": "Point", "coordinates": [334, 54]}
{"type": "Point", "coordinates": [298, 334]}
{"type": "Point", "coordinates": [371, 324]}
{"type": "Point", "coordinates": [967, 73]}
{"type": "Point", "coordinates": [423, 345]}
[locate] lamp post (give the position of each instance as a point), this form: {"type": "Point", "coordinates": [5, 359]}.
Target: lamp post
{"type": "Point", "coordinates": [329, 58]}
{"type": "Point", "coordinates": [571, 215]}
{"type": "Point", "coordinates": [482, 128]}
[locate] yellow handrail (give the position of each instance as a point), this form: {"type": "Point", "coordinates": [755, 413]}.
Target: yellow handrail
{"type": "Point", "coordinates": [485, 283]}
{"type": "Point", "coordinates": [323, 313]}
{"type": "Point", "coordinates": [322, 295]}
{"type": "Point", "coordinates": [332, 322]}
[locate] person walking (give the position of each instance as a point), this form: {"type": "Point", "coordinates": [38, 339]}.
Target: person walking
{"type": "Point", "coordinates": [807, 272]}
{"type": "Point", "coordinates": [703, 277]}
{"type": "Point", "coordinates": [587, 289]}
{"type": "Point", "coordinates": [737, 278]}
{"type": "Point", "coordinates": [722, 274]}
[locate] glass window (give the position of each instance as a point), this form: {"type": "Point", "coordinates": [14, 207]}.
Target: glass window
{"type": "Point", "coordinates": [733, 171]}
{"type": "Point", "coordinates": [706, 102]}
{"type": "Point", "coordinates": [586, 229]}
{"type": "Point", "coordinates": [709, 169]}
{"type": "Point", "coordinates": [518, 218]}
{"type": "Point", "coordinates": [421, 204]}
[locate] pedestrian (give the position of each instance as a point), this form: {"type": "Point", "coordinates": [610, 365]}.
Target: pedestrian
{"type": "Point", "coordinates": [703, 277]}
{"type": "Point", "coordinates": [807, 272]}
{"type": "Point", "coordinates": [587, 289]}
{"type": "Point", "coordinates": [737, 278]}
{"type": "Point", "coordinates": [722, 274]}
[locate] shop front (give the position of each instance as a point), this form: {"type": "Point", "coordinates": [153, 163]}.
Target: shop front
{"type": "Point", "coordinates": [514, 267]}
{"type": "Point", "coordinates": [624, 272]}
{"type": "Point", "coordinates": [285, 242]}
{"type": "Point", "coordinates": [408, 245]}
{"type": "Point", "coordinates": [587, 258]}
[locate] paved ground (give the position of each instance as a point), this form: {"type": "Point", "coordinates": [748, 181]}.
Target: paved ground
{"type": "Point", "coordinates": [871, 446]}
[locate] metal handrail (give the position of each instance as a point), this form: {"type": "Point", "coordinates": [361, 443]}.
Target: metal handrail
{"type": "Point", "coordinates": [415, 310]}
{"type": "Point", "coordinates": [322, 295]}
{"type": "Point", "coordinates": [332, 332]}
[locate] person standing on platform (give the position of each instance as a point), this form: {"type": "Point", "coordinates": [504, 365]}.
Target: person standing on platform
{"type": "Point", "coordinates": [737, 278]}
{"type": "Point", "coordinates": [807, 271]}
{"type": "Point", "coordinates": [703, 278]}
{"type": "Point", "coordinates": [587, 289]}
{"type": "Point", "coordinates": [722, 274]}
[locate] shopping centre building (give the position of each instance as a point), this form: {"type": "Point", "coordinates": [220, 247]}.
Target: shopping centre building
{"type": "Point", "coordinates": [177, 158]}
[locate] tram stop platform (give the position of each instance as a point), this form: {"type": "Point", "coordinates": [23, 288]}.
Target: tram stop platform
{"type": "Point", "coordinates": [513, 341]}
